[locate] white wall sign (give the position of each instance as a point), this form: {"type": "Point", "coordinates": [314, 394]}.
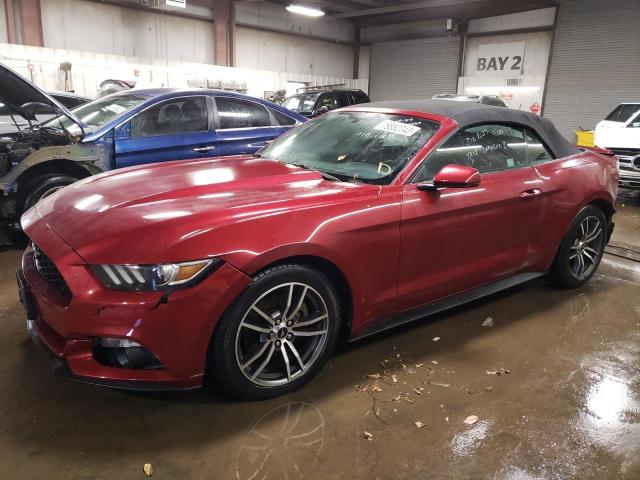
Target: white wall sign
{"type": "Point", "coordinates": [176, 3]}
{"type": "Point", "coordinates": [500, 59]}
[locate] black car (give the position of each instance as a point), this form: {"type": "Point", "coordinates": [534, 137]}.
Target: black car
{"type": "Point", "coordinates": [481, 99]}
{"type": "Point", "coordinates": [317, 100]}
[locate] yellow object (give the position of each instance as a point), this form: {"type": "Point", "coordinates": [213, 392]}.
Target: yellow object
{"type": "Point", "coordinates": [585, 138]}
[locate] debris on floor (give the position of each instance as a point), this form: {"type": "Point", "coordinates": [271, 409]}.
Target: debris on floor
{"type": "Point", "coordinates": [500, 371]}
{"type": "Point", "coordinates": [419, 424]}
{"type": "Point", "coordinates": [368, 436]}
{"type": "Point", "coordinates": [488, 322]}
{"type": "Point", "coordinates": [148, 469]}
{"type": "Point", "coordinates": [471, 419]}
{"type": "Point", "coordinates": [435, 339]}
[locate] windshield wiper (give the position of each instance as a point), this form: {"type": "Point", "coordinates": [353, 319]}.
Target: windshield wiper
{"type": "Point", "coordinates": [325, 175]}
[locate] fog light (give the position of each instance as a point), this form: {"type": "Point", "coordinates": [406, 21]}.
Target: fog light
{"type": "Point", "coordinates": [123, 353]}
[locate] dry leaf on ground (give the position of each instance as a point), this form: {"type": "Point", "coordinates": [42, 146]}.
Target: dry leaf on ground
{"type": "Point", "coordinates": [471, 419]}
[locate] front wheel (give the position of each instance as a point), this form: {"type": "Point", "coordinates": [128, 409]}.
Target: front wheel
{"type": "Point", "coordinates": [581, 249]}
{"type": "Point", "coordinates": [42, 187]}
{"type": "Point", "coordinates": [277, 334]}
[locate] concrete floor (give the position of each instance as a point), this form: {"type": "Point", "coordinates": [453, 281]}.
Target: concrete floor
{"type": "Point", "coordinates": [569, 408]}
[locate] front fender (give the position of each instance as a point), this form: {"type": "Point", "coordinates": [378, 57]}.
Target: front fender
{"type": "Point", "coordinates": [94, 157]}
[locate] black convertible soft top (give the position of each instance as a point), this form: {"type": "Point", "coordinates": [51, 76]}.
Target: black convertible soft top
{"type": "Point", "coordinates": [466, 114]}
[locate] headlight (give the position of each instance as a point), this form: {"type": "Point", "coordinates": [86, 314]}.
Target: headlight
{"type": "Point", "coordinates": [150, 278]}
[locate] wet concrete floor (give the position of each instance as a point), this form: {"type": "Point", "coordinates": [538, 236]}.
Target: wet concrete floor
{"type": "Point", "coordinates": [566, 404]}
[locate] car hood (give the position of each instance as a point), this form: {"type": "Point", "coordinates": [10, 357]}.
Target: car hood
{"type": "Point", "coordinates": [143, 214]}
{"type": "Point", "coordinates": [17, 91]}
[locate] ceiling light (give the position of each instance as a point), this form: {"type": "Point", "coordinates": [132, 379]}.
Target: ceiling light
{"type": "Point", "coordinates": [302, 10]}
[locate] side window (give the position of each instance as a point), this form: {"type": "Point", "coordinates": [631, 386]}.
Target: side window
{"type": "Point", "coordinates": [343, 99]}
{"type": "Point", "coordinates": [237, 113]}
{"type": "Point", "coordinates": [488, 148]}
{"type": "Point", "coordinates": [327, 100]}
{"type": "Point", "coordinates": [281, 118]}
{"type": "Point", "coordinates": [169, 118]}
{"type": "Point", "coordinates": [361, 97]}
{"type": "Point", "coordinates": [536, 151]}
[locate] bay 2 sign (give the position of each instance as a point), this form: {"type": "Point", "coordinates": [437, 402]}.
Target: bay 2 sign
{"type": "Point", "coordinates": [500, 59]}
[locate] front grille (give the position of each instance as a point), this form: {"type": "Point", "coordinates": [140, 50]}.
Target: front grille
{"type": "Point", "coordinates": [47, 270]}
{"type": "Point", "coordinates": [630, 152]}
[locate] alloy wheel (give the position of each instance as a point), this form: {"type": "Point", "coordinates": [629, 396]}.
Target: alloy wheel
{"type": "Point", "coordinates": [585, 251]}
{"type": "Point", "coordinates": [282, 334]}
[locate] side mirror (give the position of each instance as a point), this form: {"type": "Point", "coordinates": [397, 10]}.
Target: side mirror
{"type": "Point", "coordinates": [634, 125]}
{"type": "Point", "coordinates": [452, 176]}
{"type": "Point", "coordinates": [123, 132]}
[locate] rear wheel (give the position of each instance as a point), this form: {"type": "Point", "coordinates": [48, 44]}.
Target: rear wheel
{"type": "Point", "coordinates": [581, 249]}
{"type": "Point", "coordinates": [43, 186]}
{"type": "Point", "coordinates": [277, 334]}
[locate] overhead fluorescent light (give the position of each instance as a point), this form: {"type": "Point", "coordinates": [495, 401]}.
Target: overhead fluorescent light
{"type": "Point", "coordinates": [302, 10]}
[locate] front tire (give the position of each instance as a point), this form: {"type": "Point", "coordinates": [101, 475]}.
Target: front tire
{"type": "Point", "coordinates": [278, 333]}
{"type": "Point", "coordinates": [42, 187]}
{"type": "Point", "coordinates": [581, 249]}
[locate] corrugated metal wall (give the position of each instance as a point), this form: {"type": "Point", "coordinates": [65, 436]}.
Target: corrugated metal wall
{"type": "Point", "coordinates": [595, 62]}
{"type": "Point", "coordinates": [414, 68]}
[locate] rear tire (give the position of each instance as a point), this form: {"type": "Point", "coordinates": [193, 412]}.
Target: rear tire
{"type": "Point", "coordinates": [277, 334]}
{"type": "Point", "coordinates": [43, 186]}
{"type": "Point", "coordinates": [581, 249]}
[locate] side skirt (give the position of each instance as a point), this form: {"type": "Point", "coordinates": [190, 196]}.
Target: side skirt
{"type": "Point", "coordinates": [446, 303]}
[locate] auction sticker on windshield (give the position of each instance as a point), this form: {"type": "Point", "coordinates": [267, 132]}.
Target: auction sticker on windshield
{"type": "Point", "coordinates": [115, 108]}
{"type": "Point", "coordinates": [399, 128]}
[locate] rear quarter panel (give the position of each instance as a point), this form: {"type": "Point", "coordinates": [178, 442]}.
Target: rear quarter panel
{"type": "Point", "coordinates": [570, 184]}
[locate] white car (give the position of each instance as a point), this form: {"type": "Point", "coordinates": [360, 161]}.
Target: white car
{"type": "Point", "coordinates": [620, 133]}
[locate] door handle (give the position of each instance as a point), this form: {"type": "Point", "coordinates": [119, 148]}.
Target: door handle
{"type": "Point", "coordinates": [530, 193]}
{"type": "Point", "coordinates": [204, 149]}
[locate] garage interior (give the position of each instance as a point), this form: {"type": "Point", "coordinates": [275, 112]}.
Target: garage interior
{"type": "Point", "coordinates": [550, 377]}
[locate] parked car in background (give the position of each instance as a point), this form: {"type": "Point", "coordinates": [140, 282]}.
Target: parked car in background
{"type": "Point", "coordinates": [481, 99]}
{"type": "Point", "coordinates": [120, 130]}
{"type": "Point", "coordinates": [620, 133]}
{"type": "Point", "coordinates": [248, 269]}
{"type": "Point", "coordinates": [112, 85]}
{"type": "Point", "coordinates": [70, 100]}
{"type": "Point", "coordinates": [317, 100]}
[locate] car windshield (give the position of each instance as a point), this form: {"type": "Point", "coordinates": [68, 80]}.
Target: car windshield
{"type": "Point", "coordinates": [301, 103]}
{"type": "Point", "coordinates": [623, 113]}
{"type": "Point", "coordinates": [364, 147]}
{"type": "Point", "coordinates": [99, 112]}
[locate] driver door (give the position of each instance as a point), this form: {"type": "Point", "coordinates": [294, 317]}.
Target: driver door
{"type": "Point", "coordinates": [455, 239]}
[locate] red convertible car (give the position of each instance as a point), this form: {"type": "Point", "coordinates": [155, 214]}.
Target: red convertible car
{"type": "Point", "coordinates": [247, 270]}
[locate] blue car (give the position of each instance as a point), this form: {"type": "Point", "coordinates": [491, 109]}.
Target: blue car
{"type": "Point", "coordinates": [128, 128]}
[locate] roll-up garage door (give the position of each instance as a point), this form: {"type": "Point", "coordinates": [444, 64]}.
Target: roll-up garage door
{"type": "Point", "coordinates": [595, 62]}
{"type": "Point", "coordinates": [414, 68]}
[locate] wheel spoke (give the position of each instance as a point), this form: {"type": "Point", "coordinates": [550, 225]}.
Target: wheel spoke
{"type": "Point", "coordinates": [294, 350]}
{"type": "Point", "coordinates": [285, 314]}
{"type": "Point", "coordinates": [308, 334]}
{"type": "Point", "coordinates": [587, 255]}
{"type": "Point", "coordinates": [573, 256]}
{"type": "Point", "coordinates": [266, 317]}
{"type": "Point", "coordinates": [286, 360]}
{"type": "Point", "coordinates": [266, 361]}
{"type": "Point", "coordinates": [593, 251]}
{"type": "Point", "coordinates": [593, 235]}
{"type": "Point", "coordinates": [580, 265]}
{"type": "Point", "coordinates": [256, 356]}
{"type": "Point", "coordinates": [250, 326]}
{"type": "Point", "coordinates": [299, 304]}
{"type": "Point", "coordinates": [310, 322]}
